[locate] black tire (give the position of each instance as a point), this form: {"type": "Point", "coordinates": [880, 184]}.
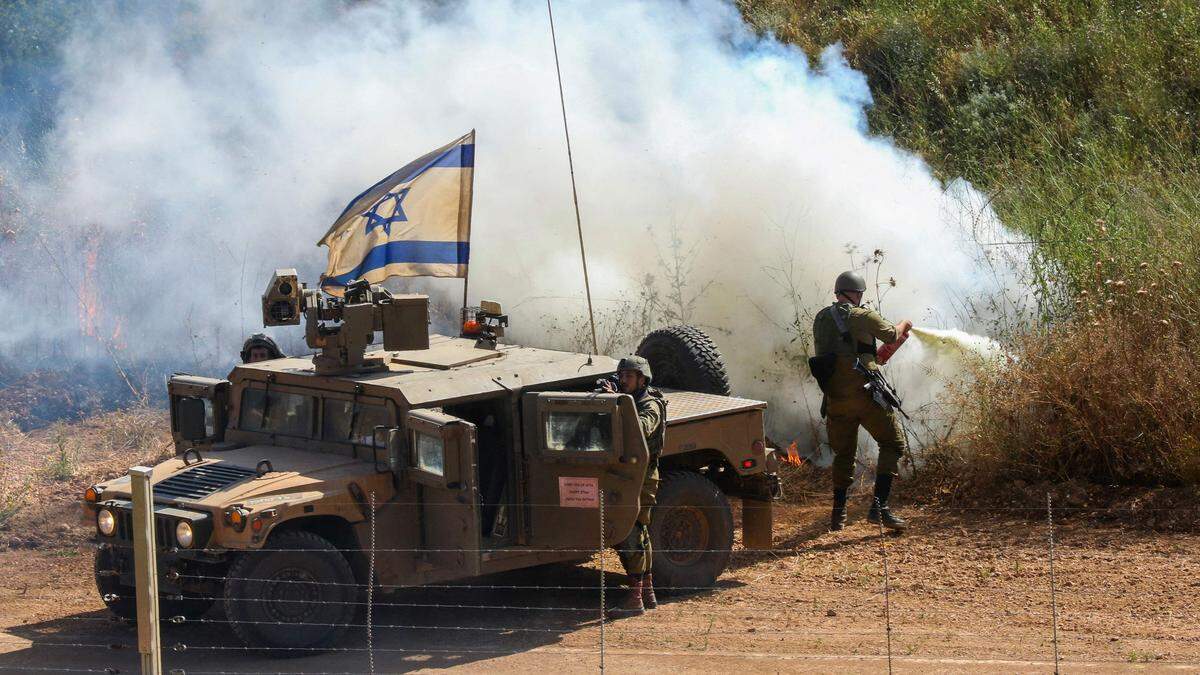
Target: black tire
{"type": "Point", "coordinates": [684, 357]}
{"type": "Point", "coordinates": [273, 596]}
{"type": "Point", "coordinates": [122, 600]}
{"type": "Point", "coordinates": [691, 532]}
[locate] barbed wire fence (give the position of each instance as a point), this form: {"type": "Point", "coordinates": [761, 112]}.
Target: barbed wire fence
{"type": "Point", "coordinates": [462, 620]}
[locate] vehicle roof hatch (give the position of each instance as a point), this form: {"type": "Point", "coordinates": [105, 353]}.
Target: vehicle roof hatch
{"type": "Point", "coordinates": [445, 356]}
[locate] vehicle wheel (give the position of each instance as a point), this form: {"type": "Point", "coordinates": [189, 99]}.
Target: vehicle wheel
{"type": "Point", "coordinates": [122, 600]}
{"type": "Point", "coordinates": [691, 532]}
{"type": "Point", "coordinates": [273, 597]}
{"type": "Point", "coordinates": [684, 357]}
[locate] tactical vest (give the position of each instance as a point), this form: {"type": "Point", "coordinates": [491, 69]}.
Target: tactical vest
{"type": "Point", "coordinates": [658, 437]}
{"type": "Point", "coordinates": [847, 345]}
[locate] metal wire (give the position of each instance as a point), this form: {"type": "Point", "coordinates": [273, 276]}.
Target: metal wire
{"type": "Point", "coordinates": [1053, 588]}
{"type": "Point", "coordinates": [887, 594]}
{"type": "Point", "coordinates": [371, 588]}
{"type": "Point", "coordinates": [603, 606]}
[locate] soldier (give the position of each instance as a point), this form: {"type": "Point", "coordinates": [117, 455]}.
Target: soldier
{"type": "Point", "coordinates": [843, 334]}
{"type": "Point", "coordinates": [260, 347]}
{"type": "Point", "coordinates": [633, 378]}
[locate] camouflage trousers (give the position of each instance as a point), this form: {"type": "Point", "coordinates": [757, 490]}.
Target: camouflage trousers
{"type": "Point", "coordinates": [634, 551]}
{"type": "Point", "coordinates": [845, 416]}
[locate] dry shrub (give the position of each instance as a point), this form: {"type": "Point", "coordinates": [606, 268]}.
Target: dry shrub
{"type": "Point", "coordinates": [1111, 397]}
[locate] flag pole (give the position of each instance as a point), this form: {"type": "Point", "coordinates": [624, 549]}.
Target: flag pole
{"type": "Point", "coordinates": [469, 200]}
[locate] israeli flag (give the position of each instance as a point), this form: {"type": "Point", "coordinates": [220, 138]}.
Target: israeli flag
{"type": "Point", "coordinates": [414, 223]}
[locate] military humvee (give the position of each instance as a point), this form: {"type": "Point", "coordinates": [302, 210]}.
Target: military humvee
{"type": "Point", "coordinates": [478, 456]}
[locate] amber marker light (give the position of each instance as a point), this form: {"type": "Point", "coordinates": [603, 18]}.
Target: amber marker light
{"type": "Point", "coordinates": [257, 525]}
{"type": "Point", "coordinates": [237, 518]}
{"type": "Point", "coordinates": [91, 495]}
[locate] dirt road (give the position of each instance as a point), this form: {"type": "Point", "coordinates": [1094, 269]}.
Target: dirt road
{"type": "Point", "coordinates": [966, 594]}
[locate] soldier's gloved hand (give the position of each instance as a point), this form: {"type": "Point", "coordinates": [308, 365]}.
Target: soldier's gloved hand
{"type": "Point", "coordinates": [607, 385]}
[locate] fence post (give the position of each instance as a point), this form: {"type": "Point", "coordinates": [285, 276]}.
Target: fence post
{"type": "Point", "coordinates": [145, 569]}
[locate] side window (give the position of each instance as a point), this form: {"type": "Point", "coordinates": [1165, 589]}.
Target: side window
{"type": "Point", "coordinates": [345, 422]}
{"type": "Point", "coordinates": [276, 412]}
{"type": "Point", "coordinates": [571, 431]}
{"type": "Point", "coordinates": [431, 453]}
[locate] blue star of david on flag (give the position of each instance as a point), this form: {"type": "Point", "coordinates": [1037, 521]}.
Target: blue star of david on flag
{"type": "Point", "coordinates": [375, 220]}
{"type": "Point", "coordinates": [432, 230]}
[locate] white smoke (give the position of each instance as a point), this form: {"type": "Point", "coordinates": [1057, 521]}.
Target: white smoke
{"type": "Point", "coordinates": [213, 142]}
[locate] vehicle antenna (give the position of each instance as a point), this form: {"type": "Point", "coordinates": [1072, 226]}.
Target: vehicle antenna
{"type": "Point", "coordinates": [574, 193]}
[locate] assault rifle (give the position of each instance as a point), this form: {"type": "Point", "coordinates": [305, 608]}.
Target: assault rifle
{"type": "Point", "coordinates": [881, 392]}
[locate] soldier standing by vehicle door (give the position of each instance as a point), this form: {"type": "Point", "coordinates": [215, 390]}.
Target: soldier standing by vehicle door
{"type": "Point", "coordinates": [633, 378]}
{"type": "Point", "coordinates": [844, 336]}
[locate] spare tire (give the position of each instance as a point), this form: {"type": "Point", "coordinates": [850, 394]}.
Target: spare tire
{"type": "Point", "coordinates": [684, 357]}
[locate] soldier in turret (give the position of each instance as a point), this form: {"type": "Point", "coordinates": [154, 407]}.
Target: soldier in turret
{"type": "Point", "coordinates": [260, 347]}
{"type": "Point", "coordinates": [844, 335]}
{"type": "Point", "coordinates": [633, 378]}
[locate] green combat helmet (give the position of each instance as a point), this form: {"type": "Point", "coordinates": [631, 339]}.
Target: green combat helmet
{"type": "Point", "coordinates": [635, 362]}
{"type": "Point", "coordinates": [850, 281]}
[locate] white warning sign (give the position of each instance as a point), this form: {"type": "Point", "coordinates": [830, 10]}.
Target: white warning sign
{"type": "Point", "coordinates": [579, 492]}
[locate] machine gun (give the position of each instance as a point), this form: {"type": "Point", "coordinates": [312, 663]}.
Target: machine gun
{"type": "Point", "coordinates": [342, 328]}
{"type": "Point", "coordinates": [881, 391]}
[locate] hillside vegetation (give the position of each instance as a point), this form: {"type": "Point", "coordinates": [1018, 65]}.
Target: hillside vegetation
{"type": "Point", "coordinates": [1079, 119]}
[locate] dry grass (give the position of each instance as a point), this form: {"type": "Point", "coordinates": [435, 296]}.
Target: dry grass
{"type": "Point", "coordinates": [43, 469]}
{"type": "Point", "coordinates": [1111, 397]}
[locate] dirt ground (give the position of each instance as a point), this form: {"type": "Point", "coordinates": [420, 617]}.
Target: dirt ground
{"type": "Point", "coordinates": [969, 591]}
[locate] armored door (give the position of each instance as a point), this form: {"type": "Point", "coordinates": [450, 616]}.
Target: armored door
{"type": "Point", "coordinates": [579, 448]}
{"type": "Point", "coordinates": [442, 463]}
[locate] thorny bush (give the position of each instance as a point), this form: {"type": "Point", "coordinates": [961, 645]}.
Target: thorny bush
{"type": "Point", "coordinates": [1111, 395]}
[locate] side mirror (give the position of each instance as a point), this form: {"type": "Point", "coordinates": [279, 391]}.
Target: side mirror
{"type": "Point", "coordinates": [192, 419]}
{"type": "Point", "coordinates": [392, 438]}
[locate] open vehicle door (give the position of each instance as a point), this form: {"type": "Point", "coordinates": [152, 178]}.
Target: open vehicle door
{"type": "Point", "coordinates": [577, 446]}
{"type": "Point", "coordinates": [442, 463]}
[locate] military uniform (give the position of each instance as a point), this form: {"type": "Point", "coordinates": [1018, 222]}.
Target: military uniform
{"type": "Point", "coordinates": [635, 551]}
{"type": "Point", "coordinates": [847, 403]}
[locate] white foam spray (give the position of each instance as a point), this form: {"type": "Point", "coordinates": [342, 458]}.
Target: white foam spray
{"type": "Point", "coordinates": [960, 344]}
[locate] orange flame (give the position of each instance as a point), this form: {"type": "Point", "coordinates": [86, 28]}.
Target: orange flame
{"type": "Point", "coordinates": [89, 295]}
{"type": "Point", "coordinates": [793, 455]}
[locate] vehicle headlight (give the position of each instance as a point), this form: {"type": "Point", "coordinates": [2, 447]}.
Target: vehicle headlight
{"type": "Point", "coordinates": [183, 534]}
{"type": "Point", "coordinates": [106, 522]}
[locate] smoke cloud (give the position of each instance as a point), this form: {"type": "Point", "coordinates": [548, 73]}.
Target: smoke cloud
{"type": "Point", "coordinates": [198, 147]}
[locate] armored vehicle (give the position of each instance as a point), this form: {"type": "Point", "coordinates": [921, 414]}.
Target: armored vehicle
{"type": "Point", "coordinates": [458, 456]}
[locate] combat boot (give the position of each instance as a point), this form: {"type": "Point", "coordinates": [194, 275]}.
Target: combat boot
{"type": "Point", "coordinates": [837, 519]}
{"type": "Point", "coordinates": [631, 604]}
{"type": "Point", "coordinates": [880, 513]}
{"type": "Point", "coordinates": [648, 599]}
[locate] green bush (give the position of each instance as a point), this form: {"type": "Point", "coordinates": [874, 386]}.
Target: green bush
{"type": "Point", "coordinates": [1070, 113]}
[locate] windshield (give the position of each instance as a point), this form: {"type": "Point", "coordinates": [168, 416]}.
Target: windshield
{"type": "Point", "coordinates": [276, 412]}
{"type": "Point", "coordinates": [347, 421]}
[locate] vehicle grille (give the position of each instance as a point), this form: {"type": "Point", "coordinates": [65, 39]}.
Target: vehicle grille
{"type": "Point", "coordinates": [164, 529]}
{"type": "Point", "coordinates": [200, 481]}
